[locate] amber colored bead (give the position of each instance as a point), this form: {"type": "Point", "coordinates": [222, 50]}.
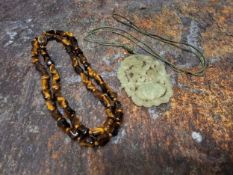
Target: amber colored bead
{"type": "Point", "coordinates": [99, 79]}
{"type": "Point", "coordinates": [112, 95]}
{"type": "Point", "coordinates": [84, 77]}
{"type": "Point", "coordinates": [90, 86]}
{"type": "Point", "coordinates": [75, 62]}
{"type": "Point", "coordinates": [35, 59]}
{"type": "Point", "coordinates": [43, 52]}
{"type": "Point", "coordinates": [42, 39]}
{"type": "Point", "coordinates": [53, 69]}
{"type": "Point", "coordinates": [55, 86]}
{"type": "Point", "coordinates": [68, 34]}
{"type": "Point", "coordinates": [109, 122]}
{"type": "Point", "coordinates": [105, 100]}
{"type": "Point", "coordinates": [50, 105]}
{"type": "Point", "coordinates": [56, 77]}
{"type": "Point", "coordinates": [62, 102]}
{"type": "Point", "coordinates": [109, 113]}
{"type": "Point", "coordinates": [46, 94]}
{"type": "Point", "coordinates": [66, 42]}
{"type": "Point", "coordinates": [91, 72]}
{"type": "Point", "coordinates": [96, 131]}
{"type": "Point", "coordinates": [45, 77]}
{"type": "Point", "coordinates": [44, 84]}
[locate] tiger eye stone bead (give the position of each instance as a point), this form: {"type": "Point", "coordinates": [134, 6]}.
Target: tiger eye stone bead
{"type": "Point", "coordinates": [114, 130]}
{"type": "Point", "coordinates": [117, 105]}
{"type": "Point", "coordinates": [73, 133]}
{"type": "Point", "coordinates": [119, 115]}
{"type": "Point", "coordinates": [63, 123]}
{"type": "Point", "coordinates": [56, 114]}
{"type": "Point", "coordinates": [50, 105]}
{"type": "Point", "coordinates": [96, 131]}
{"type": "Point", "coordinates": [78, 69]}
{"type": "Point", "coordinates": [87, 141]}
{"type": "Point", "coordinates": [84, 131]}
{"type": "Point", "coordinates": [46, 94]}
{"type": "Point", "coordinates": [40, 68]}
{"type": "Point", "coordinates": [69, 112]}
{"type": "Point", "coordinates": [102, 139]}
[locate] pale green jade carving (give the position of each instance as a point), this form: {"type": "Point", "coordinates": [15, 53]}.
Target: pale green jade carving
{"type": "Point", "coordinates": [145, 80]}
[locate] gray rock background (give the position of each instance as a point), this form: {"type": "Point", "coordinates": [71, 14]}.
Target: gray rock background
{"type": "Point", "coordinates": [192, 134]}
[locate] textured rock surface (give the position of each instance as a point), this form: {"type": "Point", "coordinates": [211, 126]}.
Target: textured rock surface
{"type": "Point", "coordinates": [190, 135]}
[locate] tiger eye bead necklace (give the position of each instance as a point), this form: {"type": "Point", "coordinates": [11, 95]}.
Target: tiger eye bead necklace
{"type": "Point", "coordinates": [51, 91]}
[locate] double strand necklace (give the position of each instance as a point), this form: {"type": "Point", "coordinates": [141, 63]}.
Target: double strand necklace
{"type": "Point", "coordinates": [51, 91]}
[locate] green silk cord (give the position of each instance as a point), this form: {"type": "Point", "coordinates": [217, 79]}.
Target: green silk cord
{"type": "Point", "coordinates": [145, 47]}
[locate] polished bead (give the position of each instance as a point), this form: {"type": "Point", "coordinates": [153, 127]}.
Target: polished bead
{"type": "Point", "coordinates": [109, 122]}
{"type": "Point", "coordinates": [75, 122]}
{"type": "Point", "coordinates": [86, 65]}
{"type": "Point", "coordinates": [73, 133]}
{"type": "Point", "coordinates": [96, 131]}
{"type": "Point", "coordinates": [44, 84]}
{"type": "Point", "coordinates": [112, 95]}
{"type": "Point", "coordinates": [78, 69]}
{"type": "Point", "coordinates": [46, 94]}
{"type": "Point", "coordinates": [42, 40]}
{"type": "Point", "coordinates": [50, 105]}
{"type": "Point", "coordinates": [78, 51]}
{"type": "Point", "coordinates": [87, 141]}
{"type": "Point", "coordinates": [69, 112]}
{"type": "Point", "coordinates": [66, 42]}
{"type": "Point", "coordinates": [119, 115]}
{"type": "Point", "coordinates": [63, 123]}
{"type": "Point", "coordinates": [109, 113]}
{"type": "Point", "coordinates": [40, 68]}
{"type": "Point", "coordinates": [35, 59]}
{"type": "Point", "coordinates": [83, 131]}
{"type": "Point", "coordinates": [45, 76]}
{"type": "Point", "coordinates": [116, 106]}
{"type": "Point", "coordinates": [69, 34]}
{"type": "Point", "coordinates": [62, 102]}
{"type": "Point", "coordinates": [73, 41]}
{"type": "Point", "coordinates": [84, 77]}
{"type": "Point", "coordinates": [56, 114]}
{"type": "Point", "coordinates": [103, 139]}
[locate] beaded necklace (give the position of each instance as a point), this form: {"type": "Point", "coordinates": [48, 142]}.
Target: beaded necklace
{"type": "Point", "coordinates": [51, 91]}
